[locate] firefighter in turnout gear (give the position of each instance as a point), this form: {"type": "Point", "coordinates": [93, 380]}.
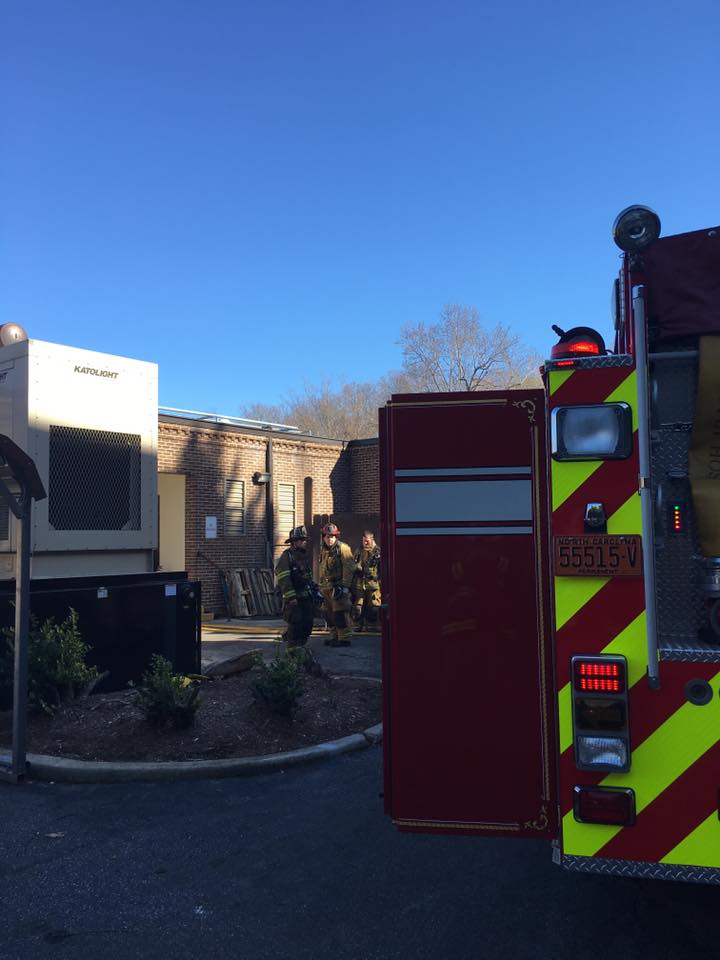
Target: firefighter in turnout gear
{"type": "Point", "coordinates": [366, 584]}
{"type": "Point", "coordinates": [294, 577]}
{"type": "Point", "coordinates": [337, 569]}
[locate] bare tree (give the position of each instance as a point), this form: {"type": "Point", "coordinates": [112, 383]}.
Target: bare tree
{"type": "Point", "coordinates": [266, 412]}
{"type": "Point", "coordinates": [348, 412]}
{"type": "Point", "coordinates": [458, 353]}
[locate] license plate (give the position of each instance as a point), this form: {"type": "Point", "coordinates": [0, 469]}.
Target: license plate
{"type": "Point", "coordinates": [598, 555]}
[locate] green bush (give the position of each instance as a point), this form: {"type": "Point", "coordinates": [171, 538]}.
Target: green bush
{"type": "Point", "coordinates": [306, 659]}
{"type": "Point", "coordinates": [57, 669]}
{"type": "Point", "coordinates": [280, 682]}
{"type": "Point", "coordinates": [166, 697]}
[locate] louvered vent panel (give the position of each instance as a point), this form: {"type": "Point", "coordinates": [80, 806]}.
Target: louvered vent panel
{"type": "Point", "coordinates": [94, 479]}
{"type": "Point", "coordinates": [286, 508]}
{"type": "Point", "coordinates": [4, 521]}
{"type": "Point", "coordinates": [234, 508]}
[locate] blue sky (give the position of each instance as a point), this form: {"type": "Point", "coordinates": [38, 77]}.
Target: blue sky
{"type": "Point", "coordinates": [257, 195]}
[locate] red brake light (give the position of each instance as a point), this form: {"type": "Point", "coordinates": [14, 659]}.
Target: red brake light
{"type": "Point", "coordinates": [604, 805]}
{"type": "Point", "coordinates": [599, 677]}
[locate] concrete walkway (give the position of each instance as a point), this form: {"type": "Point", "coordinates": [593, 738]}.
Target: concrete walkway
{"type": "Point", "coordinates": [222, 640]}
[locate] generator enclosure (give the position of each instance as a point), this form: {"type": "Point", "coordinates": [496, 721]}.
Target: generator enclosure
{"type": "Point", "coordinates": [89, 421]}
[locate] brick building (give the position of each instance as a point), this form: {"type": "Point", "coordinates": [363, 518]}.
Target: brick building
{"type": "Point", "coordinates": [229, 492]}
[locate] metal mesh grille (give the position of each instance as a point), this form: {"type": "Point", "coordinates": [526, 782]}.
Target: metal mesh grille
{"type": "Point", "coordinates": [4, 521]}
{"type": "Point", "coordinates": [94, 479]}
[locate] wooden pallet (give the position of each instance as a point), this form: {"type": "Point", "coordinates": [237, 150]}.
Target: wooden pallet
{"type": "Point", "coordinates": [257, 589]}
{"type": "Point", "coordinates": [239, 595]}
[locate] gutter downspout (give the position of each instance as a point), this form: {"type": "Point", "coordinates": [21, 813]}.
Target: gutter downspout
{"type": "Point", "coordinates": [270, 507]}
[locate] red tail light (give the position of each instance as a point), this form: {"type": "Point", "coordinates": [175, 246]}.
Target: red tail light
{"type": "Point", "coordinates": [615, 806]}
{"type": "Point", "coordinates": [596, 676]}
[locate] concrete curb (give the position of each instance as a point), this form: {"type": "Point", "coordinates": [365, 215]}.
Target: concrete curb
{"type": "Point", "coordinates": [58, 769]}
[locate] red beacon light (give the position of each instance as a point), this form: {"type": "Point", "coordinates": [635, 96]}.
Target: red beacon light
{"type": "Point", "coordinates": [575, 344]}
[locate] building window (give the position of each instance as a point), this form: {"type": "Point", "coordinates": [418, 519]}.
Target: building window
{"type": "Point", "coordinates": [234, 508]}
{"type": "Point", "coordinates": [285, 508]}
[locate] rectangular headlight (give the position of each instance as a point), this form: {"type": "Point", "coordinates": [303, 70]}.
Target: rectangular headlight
{"type": "Point", "coordinates": [602, 753]}
{"type": "Point", "coordinates": [600, 431]}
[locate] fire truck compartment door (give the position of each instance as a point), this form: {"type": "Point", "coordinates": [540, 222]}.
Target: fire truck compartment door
{"type": "Point", "coordinates": [469, 719]}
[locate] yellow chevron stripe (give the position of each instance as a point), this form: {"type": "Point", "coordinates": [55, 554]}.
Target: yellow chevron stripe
{"type": "Point", "coordinates": [630, 642]}
{"type": "Point", "coordinates": [701, 848]}
{"type": "Point", "coordinates": [567, 476]}
{"type": "Point", "coordinates": [558, 378]}
{"type": "Point", "coordinates": [571, 595]}
{"type": "Point", "coordinates": [626, 393]}
{"type": "Point", "coordinates": [656, 763]}
{"type": "Point", "coordinates": [627, 518]}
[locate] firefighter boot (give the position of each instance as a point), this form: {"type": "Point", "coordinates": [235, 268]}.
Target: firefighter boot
{"type": "Point", "coordinates": [344, 637]}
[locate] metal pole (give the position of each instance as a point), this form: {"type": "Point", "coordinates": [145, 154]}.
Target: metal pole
{"type": "Point", "coordinates": [22, 632]}
{"type": "Point", "coordinates": [644, 484]}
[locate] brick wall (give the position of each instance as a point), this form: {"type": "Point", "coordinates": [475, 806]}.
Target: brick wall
{"type": "Point", "coordinates": [364, 476]}
{"type": "Point", "coordinates": [208, 454]}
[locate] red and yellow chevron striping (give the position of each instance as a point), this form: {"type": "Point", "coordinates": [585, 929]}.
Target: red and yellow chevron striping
{"type": "Point", "coordinates": [675, 746]}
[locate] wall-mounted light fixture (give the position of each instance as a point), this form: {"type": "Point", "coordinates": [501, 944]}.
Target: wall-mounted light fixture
{"type": "Point", "coordinates": [261, 477]}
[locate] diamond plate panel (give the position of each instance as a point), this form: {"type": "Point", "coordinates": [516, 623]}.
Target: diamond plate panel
{"type": "Point", "coordinates": [94, 479]}
{"type": "Point", "coordinates": [586, 363]}
{"type": "Point", "coordinates": [646, 871]}
{"type": "Point", "coordinates": [690, 650]}
{"type": "Point", "coordinates": [680, 601]}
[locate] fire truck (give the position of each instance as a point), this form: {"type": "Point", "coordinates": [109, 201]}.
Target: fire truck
{"type": "Point", "coordinates": [551, 627]}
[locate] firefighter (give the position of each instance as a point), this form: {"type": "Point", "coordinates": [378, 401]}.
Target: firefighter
{"type": "Point", "coordinates": [337, 569]}
{"type": "Point", "coordinates": [366, 585]}
{"type": "Point", "coordinates": [294, 577]}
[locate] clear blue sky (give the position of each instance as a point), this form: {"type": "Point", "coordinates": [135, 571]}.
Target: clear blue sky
{"type": "Point", "coordinates": [254, 194]}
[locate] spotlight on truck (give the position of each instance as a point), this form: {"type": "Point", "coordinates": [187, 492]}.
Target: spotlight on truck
{"type": "Point", "coordinates": [635, 228]}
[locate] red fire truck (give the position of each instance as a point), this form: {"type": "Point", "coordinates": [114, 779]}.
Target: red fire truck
{"type": "Point", "coordinates": [551, 633]}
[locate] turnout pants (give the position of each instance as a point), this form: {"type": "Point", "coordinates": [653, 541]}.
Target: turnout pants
{"type": "Point", "coordinates": [368, 600]}
{"type": "Point", "coordinates": [299, 619]}
{"type": "Point", "coordinates": [337, 614]}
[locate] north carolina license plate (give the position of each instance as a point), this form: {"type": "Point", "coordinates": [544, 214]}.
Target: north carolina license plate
{"type": "Point", "coordinates": [598, 555]}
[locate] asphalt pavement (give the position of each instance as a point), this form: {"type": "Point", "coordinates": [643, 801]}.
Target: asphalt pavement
{"type": "Point", "coordinates": [304, 865]}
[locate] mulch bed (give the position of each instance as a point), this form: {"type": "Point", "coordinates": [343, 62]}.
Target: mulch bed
{"type": "Point", "coordinates": [229, 723]}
